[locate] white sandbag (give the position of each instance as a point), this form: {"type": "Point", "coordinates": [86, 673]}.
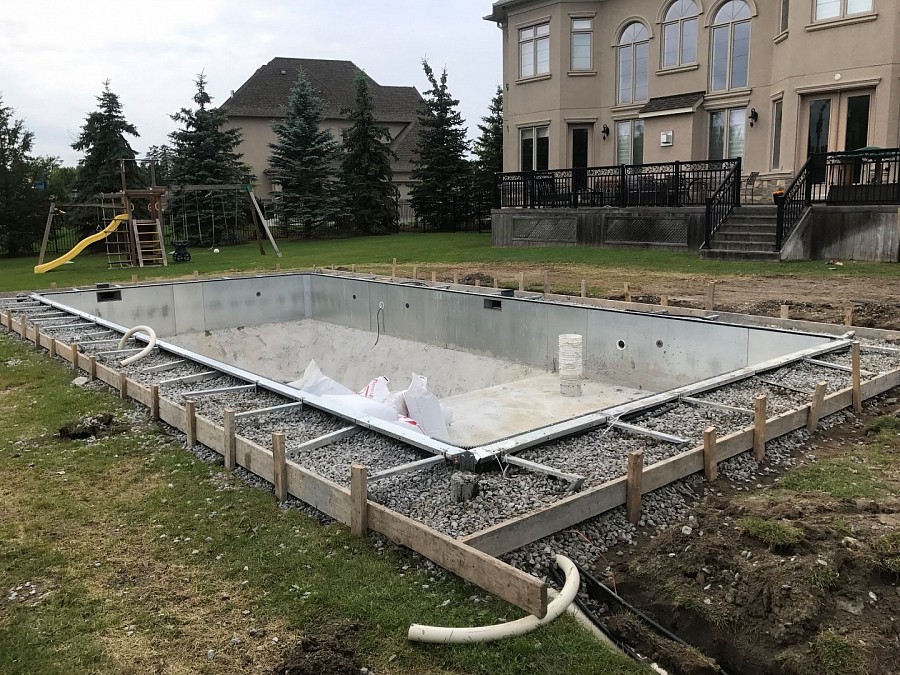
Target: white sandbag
{"type": "Point", "coordinates": [317, 384]}
{"type": "Point", "coordinates": [425, 408]}
{"type": "Point", "coordinates": [357, 406]}
{"type": "Point", "coordinates": [377, 389]}
{"type": "Point", "coordinates": [397, 400]}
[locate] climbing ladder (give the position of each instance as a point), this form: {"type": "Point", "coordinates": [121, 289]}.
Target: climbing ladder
{"type": "Point", "coordinates": [149, 243]}
{"type": "Point", "coordinates": [119, 251]}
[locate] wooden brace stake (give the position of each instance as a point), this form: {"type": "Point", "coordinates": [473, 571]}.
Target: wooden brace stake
{"type": "Point", "coordinates": [92, 367]}
{"type": "Point", "coordinates": [190, 422]}
{"type": "Point", "coordinates": [633, 479]}
{"type": "Point", "coordinates": [154, 402]}
{"type": "Point", "coordinates": [711, 296]}
{"type": "Point", "coordinates": [710, 462]}
{"type": "Point", "coordinates": [279, 467]}
{"type": "Point", "coordinates": [584, 288]}
{"type": "Point", "coordinates": [230, 444]}
{"type": "Point", "coordinates": [856, 378]}
{"type": "Point", "coordinates": [815, 407]}
{"type": "Point", "coordinates": [785, 311]}
{"type": "Point", "coordinates": [546, 282]}
{"type": "Point", "coordinates": [359, 500]}
{"type": "Point", "coordinates": [521, 281]}
{"type": "Point", "coordinates": [627, 289]}
{"type": "Point", "coordinates": [123, 385]}
{"type": "Point", "coordinates": [759, 427]}
{"type": "Point", "coordinates": [663, 300]}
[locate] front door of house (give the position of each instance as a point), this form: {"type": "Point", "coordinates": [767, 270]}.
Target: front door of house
{"type": "Point", "coordinates": [834, 122]}
{"type": "Point", "coordinates": [580, 143]}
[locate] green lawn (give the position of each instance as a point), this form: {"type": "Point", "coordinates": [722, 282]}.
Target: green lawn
{"type": "Point", "coordinates": [411, 249]}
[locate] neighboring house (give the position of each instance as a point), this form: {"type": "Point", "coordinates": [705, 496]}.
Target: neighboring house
{"type": "Point", "coordinates": [642, 81]}
{"type": "Point", "coordinates": [263, 99]}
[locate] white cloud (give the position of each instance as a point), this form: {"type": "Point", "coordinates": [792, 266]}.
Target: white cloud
{"type": "Point", "coordinates": [57, 54]}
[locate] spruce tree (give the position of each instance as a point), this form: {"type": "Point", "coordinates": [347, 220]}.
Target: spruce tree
{"type": "Point", "coordinates": [302, 159]}
{"type": "Point", "coordinates": [104, 143]}
{"type": "Point", "coordinates": [370, 197]}
{"type": "Point", "coordinates": [203, 153]}
{"type": "Point", "coordinates": [441, 168]}
{"type": "Point", "coordinates": [21, 205]}
{"type": "Point", "coordinates": [488, 147]}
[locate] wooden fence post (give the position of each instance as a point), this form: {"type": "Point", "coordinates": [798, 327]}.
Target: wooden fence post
{"type": "Point", "coordinates": [815, 407]}
{"type": "Point", "coordinates": [123, 385]}
{"type": "Point", "coordinates": [154, 402]}
{"type": "Point", "coordinates": [710, 461]}
{"type": "Point", "coordinates": [785, 311]}
{"type": "Point", "coordinates": [759, 427]}
{"type": "Point", "coordinates": [633, 479]}
{"type": "Point", "coordinates": [359, 500]}
{"type": "Point", "coordinates": [711, 296]}
{"type": "Point", "coordinates": [279, 467]}
{"type": "Point", "coordinates": [856, 377]}
{"type": "Point", "coordinates": [230, 444]}
{"type": "Point", "coordinates": [190, 423]}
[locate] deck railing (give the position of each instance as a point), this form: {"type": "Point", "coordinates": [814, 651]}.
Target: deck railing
{"type": "Point", "coordinates": [722, 201]}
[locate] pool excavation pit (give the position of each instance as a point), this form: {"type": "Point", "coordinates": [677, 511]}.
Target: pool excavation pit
{"type": "Point", "coordinates": [493, 420]}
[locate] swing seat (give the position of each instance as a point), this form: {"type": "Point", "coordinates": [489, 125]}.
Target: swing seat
{"type": "Point", "coordinates": [181, 254]}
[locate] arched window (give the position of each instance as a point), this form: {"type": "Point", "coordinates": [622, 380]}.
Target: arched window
{"type": "Point", "coordinates": [634, 63]}
{"type": "Point", "coordinates": [731, 46]}
{"type": "Point", "coordinates": [680, 34]}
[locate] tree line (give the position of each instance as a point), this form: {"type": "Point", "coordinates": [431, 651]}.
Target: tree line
{"type": "Point", "coordinates": [318, 178]}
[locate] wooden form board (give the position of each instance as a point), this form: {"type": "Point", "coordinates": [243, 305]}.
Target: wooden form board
{"type": "Point", "coordinates": [319, 492]}
{"type": "Point", "coordinates": [108, 375]}
{"type": "Point", "coordinates": [171, 413]}
{"type": "Point", "coordinates": [517, 532]}
{"type": "Point", "coordinates": [209, 434]}
{"type": "Point", "coordinates": [511, 584]}
{"type": "Point", "coordinates": [254, 458]}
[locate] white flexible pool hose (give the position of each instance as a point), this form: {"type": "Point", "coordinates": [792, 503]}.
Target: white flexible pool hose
{"type": "Point", "coordinates": [146, 350]}
{"type": "Point", "coordinates": [456, 636]}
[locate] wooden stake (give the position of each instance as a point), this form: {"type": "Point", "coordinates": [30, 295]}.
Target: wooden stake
{"type": "Point", "coordinates": [433, 277]}
{"type": "Point", "coordinates": [477, 283]}
{"type": "Point", "coordinates": [52, 285]}
{"type": "Point", "coordinates": [353, 268]}
{"type": "Point", "coordinates": [627, 289]}
{"type": "Point", "coordinates": [633, 479]}
{"type": "Point", "coordinates": [52, 348]}
{"type": "Point", "coordinates": [279, 467]}
{"type": "Point", "coordinates": [196, 274]}
{"type": "Point", "coordinates": [785, 311]}
{"type": "Point", "coordinates": [154, 402]}
{"type": "Point", "coordinates": [134, 278]}
{"type": "Point", "coordinates": [521, 281]}
{"type": "Point", "coordinates": [123, 385]}
{"type": "Point", "coordinates": [394, 268]}
{"type": "Point", "coordinates": [190, 422]}
{"type": "Point", "coordinates": [92, 367]}
{"type": "Point", "coordinates": [455, 276]}
{"type": "Point", "coordinates": [710, 463]}
{"type": "Point", "coordinates": [856, 378]}
{"type": "Point", "coordinates": [759, 427]}
{"type": "Point", "coordinates": [277, 266]}
{"type": "Point", "coordinates": [416, 272]}
{"type": "Point", "coordinates": [663, 300]}
{"type": "Point", "coordinates": [74, 349]}
{"type": "Point", "coordinates": [37, 338]}
{"type": "Point", "coordinates": [711, 296]}
{"type": "Point", "coordinates": [584, 288]}
{"type": "Point", "coordinates": [496, 282]}
{"type": "Point", "coordinates": [848, 316]}
{"type": "Point", "coordinates": [546, 282]}
{"type": "Point", "coordinates": [229, 445]}
{"type": "Point", "coordinates": [815, 407]}
{"type": "Point", "coordinates": [359, 500]}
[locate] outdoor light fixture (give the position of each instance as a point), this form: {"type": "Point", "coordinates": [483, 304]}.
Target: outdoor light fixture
{"type": "Point", "coordinates": [605, 132]}
{"type": "Point", "coordinates": [754, 116]}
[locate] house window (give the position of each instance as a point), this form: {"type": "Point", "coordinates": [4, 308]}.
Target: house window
{"type": "Point", "coordinates": [726, 133]}
{"type": "Point", "coordinates": [777, 111]}
{"type": "Point", "coordinates": [535, 148]}
{"type": "Point", "coordinates": [582, 38]}
{"type": "Point", "coordinates": [634, 60]}
{"type": "Point", "coordinates": [731, 46]}
{"type": "Point", "coordinates": [630, 142]}
{"type": "Point", "coordinates": [534, 50]}
{"type": "Point", "coordinates": [785, 14]}
{"type": "Point", "coordinates": [835, 9]}
{"type": "Point", "coordinates": [680, 34]}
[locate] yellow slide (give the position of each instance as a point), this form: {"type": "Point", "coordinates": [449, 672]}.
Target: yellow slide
{"type": "Point", "coordinates": [83, 244]}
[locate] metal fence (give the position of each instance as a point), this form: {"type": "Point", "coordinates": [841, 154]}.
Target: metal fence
{"type": "Point", "coordinates": [664, 184]}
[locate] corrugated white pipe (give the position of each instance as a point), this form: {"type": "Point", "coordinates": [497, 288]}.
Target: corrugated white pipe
{"type": "Point", "coordinates": [571, 364]}
{"type": "Point", "coordinates": [146, 350]}
{"type": "Point", "coordinates": [457, 636]}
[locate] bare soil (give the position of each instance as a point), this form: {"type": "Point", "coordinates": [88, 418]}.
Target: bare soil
{"type": "Point", "coordinates": [827, 603]}
{"type": "Point", "coordinates": [324, 654]}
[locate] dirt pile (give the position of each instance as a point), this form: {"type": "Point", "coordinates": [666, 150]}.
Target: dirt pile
{"type": "Point", "coordinates": [324, 654]}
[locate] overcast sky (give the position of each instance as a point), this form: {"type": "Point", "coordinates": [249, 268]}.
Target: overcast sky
{"type": "Point", "coordinates": [55, 54]}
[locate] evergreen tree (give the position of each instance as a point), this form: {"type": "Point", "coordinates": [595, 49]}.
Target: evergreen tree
{"type": "Point", "coordinates": [441, 168]}
{"type": "Point", "coordinates": [103, 141]}
{"type": "Point", "coordinates": [203, 153]}
{"type": "Point", "coordinates": [21, 206]}
{"type": "Point", "coordinates": [366, 174]}
{"type": "Point", "coordinates": [302, 159]}
{"type": "Point", "coordinates": [163, 157]}
{"type": "Point", "coordinates": [488, 147]}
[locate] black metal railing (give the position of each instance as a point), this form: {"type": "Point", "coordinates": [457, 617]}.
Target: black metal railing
{"type": "Point", "coordinates": [622, 185]}
{"type": "Point", "coordinates": [722, 201]}
{"type": "Point", "coordinates": [856, 177]}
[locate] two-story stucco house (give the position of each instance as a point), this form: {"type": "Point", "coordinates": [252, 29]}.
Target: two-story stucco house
{"type": "Point", "coordinates": [263, 99]}
{"type": "Point", "coordinates": [641, 81]}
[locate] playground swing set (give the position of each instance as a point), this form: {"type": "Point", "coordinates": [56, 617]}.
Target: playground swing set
{"type": "Point", "coordinates": [133, 241]}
